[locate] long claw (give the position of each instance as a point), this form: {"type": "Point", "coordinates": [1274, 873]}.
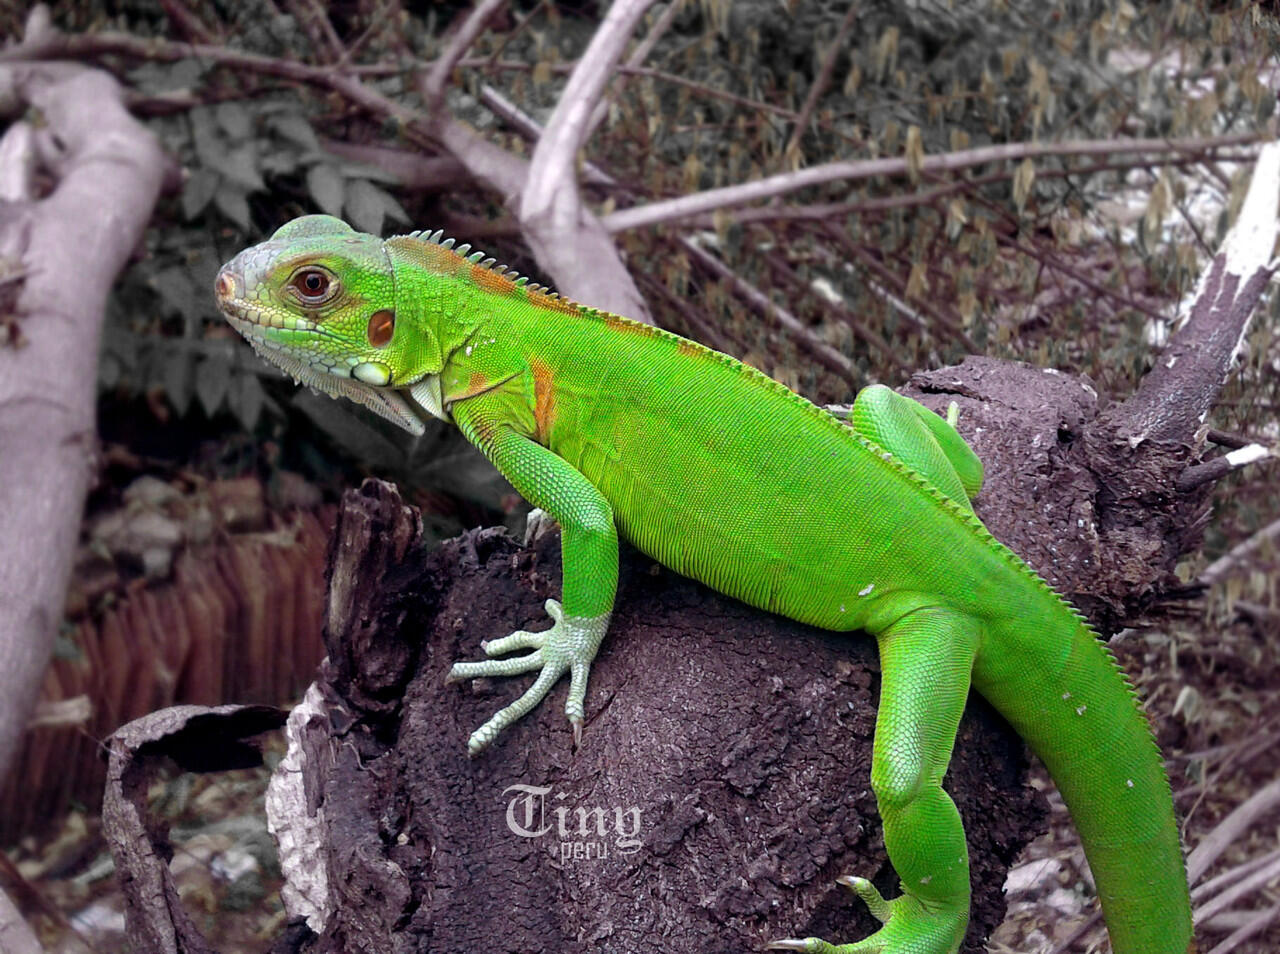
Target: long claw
{"type": "Point", "coordinates": [521, 639]}
{"type": "Point", "coordinates": [482, 736]}
{"type": "Point", "coordinates": [808, 945]}
{"type": "Point", "coordinates": [575, 704]}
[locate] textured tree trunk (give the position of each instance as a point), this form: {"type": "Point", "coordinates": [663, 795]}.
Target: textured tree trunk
{"type": "Point", "coordinates": [721, 786]}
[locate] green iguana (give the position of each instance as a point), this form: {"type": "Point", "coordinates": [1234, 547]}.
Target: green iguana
{"type": "Point", "coordinates": [616, 428]}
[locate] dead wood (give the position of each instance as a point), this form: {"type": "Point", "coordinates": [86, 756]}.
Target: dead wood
{"type": "Point", "coordinates": [197, 739]}
{"type": "Point", "coordinates": [733, 748]}
{"type": "Point", "coordinates": [722, 783]}
{"type": "Point", "coordinates": [66, 244]}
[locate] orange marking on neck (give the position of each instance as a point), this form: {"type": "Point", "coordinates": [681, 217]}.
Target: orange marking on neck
{"type": "Point", "coordinates": [490, 281]}
{"type": "Point", "coordinates": [544, 399]}
{"type": "Point", "coordinates": [429, 255]}
{"type": "Point", "coordinates": [544, 300]}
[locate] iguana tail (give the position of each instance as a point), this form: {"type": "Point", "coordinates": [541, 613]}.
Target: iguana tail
{"type": "Point", "coordinates": [1072, 703]}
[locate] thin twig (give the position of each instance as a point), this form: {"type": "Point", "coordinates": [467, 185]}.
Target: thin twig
{"type": "Point", "coordinates": [703, 330]}
{"type": "Point", "coordinates": [670, 210]}
{"type": "Point", "coordinates": [1219, 568]}
{"type": "Point", "coordinates": [789, 275]}
{"type": "Point", "coordinates": [830, 358]}
{"type": "Point", "coordinates": [646, 71]}
{"type": "Point", "coordinates": [1231, 827]}
{"type": "Point", "coordinates": [437, 78]}
{"type": "Point", "coordinates": [1233, 940]}
{"type": "Point", "coordinates": [1218, 467]}
{"type": "Point", "coordinates": [638, 56]}
{"type": "Point", "coordinates": [1227, 439]}
{"type": "Point", "coordinates": [411, 168]}
{"type": "Point", "coordinates": [509, 36]}
{"type": "Point", "coordinates": [819, 87]}
{"type": "Point", "coordinates": [834, 210]}
{"type": "Point", "coordinates": [1057, 264]}
{"type": "Point", "coordinates": [376, 21]}
{"type": "Point", "coordinates": [1081, 930]}
{"type": "Point", "coordinates": [943, 325]}
{"type": "Point", "coordinates": [1241, 889]}
{"type": "Point", "coordinates": [186, 22]}
{"type": "Point", "coordinates": [314, 20]}
{"type": "Point", "coordinates": [527, 126]}
{"type": "Point", "coordinates": [1230, 877]}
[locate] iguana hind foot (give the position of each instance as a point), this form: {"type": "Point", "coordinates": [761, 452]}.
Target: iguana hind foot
{"type": "Point", "coordinates": [910, 926]}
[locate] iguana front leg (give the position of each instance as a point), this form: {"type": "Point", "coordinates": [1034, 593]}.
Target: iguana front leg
{"type": "Point", "coordinates": [589, 550]}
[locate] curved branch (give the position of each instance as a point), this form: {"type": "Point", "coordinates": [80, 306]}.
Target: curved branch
{"type": "Point", "coordinates": [1174, 398]}
{"type": "Point", "coordinates": [671, 210]}
{"type": "Point", "coordinates": [433, 83]}
{"type": "Point", "coordinates": [106, 162]}
{"type": "Point", "coordinates": [819, 86]}
{"type": "Point", "coordinates": [573, 240]}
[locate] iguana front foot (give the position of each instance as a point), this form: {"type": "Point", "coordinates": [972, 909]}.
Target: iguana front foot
{"type": "Point", "coordinates": [568, 646]}
{"type": "Point", "coordinates": [909, 926]}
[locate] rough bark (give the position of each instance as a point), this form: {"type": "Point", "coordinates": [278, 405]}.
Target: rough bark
{"type": "Point", "coordinates": [1096, 497]}
{"type": "Point", "coordinates": [198, 739]}
{"type": "Point", "coordinates": [741, 742]}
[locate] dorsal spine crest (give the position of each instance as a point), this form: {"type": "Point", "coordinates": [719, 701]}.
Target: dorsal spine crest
{"type": "Point", "coordinates": [533, 291]}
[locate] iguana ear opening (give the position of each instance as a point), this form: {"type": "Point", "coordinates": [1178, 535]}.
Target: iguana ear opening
{"type": "Point", "coordinates": [382, 325]}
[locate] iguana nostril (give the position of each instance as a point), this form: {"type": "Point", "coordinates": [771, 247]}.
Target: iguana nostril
{"type": "Point", "coordinates": [227, 285]}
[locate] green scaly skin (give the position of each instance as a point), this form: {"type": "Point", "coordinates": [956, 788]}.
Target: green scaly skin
{"type": "Point", "coordinates": [708, 466]}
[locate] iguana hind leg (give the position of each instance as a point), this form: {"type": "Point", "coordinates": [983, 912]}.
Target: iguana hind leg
{"type": "Point", "coordinates": [920, 439]}
{"type": "Point", "coordinates": [926, 658]}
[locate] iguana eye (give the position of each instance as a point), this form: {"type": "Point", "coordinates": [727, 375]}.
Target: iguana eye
{"type": "Point", "coordinates": [312, 285]}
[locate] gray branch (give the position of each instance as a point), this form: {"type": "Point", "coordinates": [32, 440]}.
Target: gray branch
{"type": "Point", "coordinates": [573, 242]}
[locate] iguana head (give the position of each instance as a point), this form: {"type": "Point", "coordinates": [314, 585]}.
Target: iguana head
{"type": "Point", "coordinates": [318, 299]}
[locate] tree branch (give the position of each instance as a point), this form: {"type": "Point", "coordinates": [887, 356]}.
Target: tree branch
{"type": "Point", "coordinates": [828, 356]}
{"type": "Point", "coordinates": [551, 203]}
{"type": "Point", "coordinates": [792, 150]}
{"type": "Point", "coordinates": [1175, 397]}
{"type": "Point", "coordinates": [1218, 570]}
{"type": "Point", "coordinates": [672, 210]}
{"type": "Point", "coordinates": [437, 77]}
{"type": "Point", "coordinates": [638, 56]}
{"type": "Point", "coordinates": [551, 192]}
